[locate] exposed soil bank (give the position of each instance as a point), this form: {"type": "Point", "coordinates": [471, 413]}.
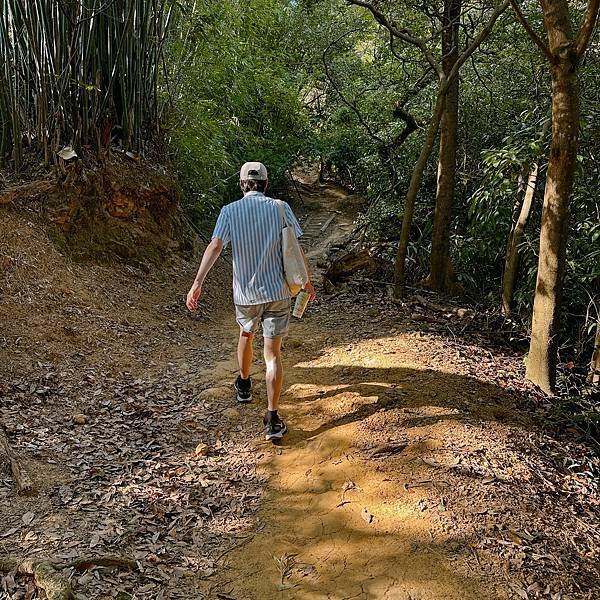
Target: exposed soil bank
{"type": "Point", "coordinates": [117, 210]}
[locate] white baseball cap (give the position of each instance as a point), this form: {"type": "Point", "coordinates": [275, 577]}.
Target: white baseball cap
{"type": "Point", "coordinates": [253, 170]}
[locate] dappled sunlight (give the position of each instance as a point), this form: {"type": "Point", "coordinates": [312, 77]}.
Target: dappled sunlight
{"type": "Point", "coordinates": [362, 492]}
{"type": "Point", "coordinates": [357, 354]}
{"type": "Point", "coordinates": [350, 528]}
{"type": "Point", "coordinates": [305, 390]}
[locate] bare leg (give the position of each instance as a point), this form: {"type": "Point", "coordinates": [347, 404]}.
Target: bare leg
{"type": "Point", "coordinates": [274, 371]}
{"type": "Point", "coordinates": [245, 353]}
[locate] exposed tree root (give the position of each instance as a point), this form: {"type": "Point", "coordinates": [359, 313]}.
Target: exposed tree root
{"type": "Point", "coordinates": [9, 459]}
{"type": "Point", "coordinates": [47, 573]}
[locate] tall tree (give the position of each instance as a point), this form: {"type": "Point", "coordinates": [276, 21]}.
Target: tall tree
{"type": "Point", "coordinates": [406, 35]}
{"type": "Point", "coordinates": [564, 51]}
{"type": "Point", "coordinates": [441, 273]}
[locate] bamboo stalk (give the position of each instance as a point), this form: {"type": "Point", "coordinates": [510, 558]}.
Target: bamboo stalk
{"type": "Point", "coordinates": [65, 67]}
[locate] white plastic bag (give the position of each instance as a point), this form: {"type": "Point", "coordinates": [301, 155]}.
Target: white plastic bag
{"type": "Point", "coordinates": [294, 266]}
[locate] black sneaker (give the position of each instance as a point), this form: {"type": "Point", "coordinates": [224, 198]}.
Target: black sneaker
{"type": "Point", "coordinates": [243, 388]}
{"type": "Point", "coordinates": [275, 430]}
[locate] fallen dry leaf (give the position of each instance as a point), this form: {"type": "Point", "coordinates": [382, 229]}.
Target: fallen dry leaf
{"type": "Point", "coordinates": [367, 516]}
{"type": "Point", "coordinates": [201, 449]}
{"type": "Point", "coordinates": [27, 518]}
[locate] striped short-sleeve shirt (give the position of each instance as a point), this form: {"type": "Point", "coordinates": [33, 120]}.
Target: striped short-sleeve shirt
{"type": "Point", "coordinates": [253, 227]}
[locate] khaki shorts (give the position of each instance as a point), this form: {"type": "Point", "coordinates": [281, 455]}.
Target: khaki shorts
{"type": "Point", "coordinates": [274, 316]}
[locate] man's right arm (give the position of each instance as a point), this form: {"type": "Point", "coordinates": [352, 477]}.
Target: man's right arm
{"type": "Point", "coordinates": [212, 252]}
{"type": "Point", "coordinates": [220, 238]}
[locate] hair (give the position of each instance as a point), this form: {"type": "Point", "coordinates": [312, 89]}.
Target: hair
{"type": "Point", "coordinates": [253, 185]}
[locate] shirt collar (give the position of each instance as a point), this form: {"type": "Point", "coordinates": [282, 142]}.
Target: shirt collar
{"type": "Point", "coordinates": [253, 192]}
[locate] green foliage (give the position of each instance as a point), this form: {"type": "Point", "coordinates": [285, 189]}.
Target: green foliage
{"type": "Point", "coordinates": [237, 97]}
{"type": "Point", "coordinates": [504, 101]}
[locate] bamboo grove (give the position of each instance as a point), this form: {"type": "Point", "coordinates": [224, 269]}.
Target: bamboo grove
{"type": "Point", "coordinates": [78, 72]}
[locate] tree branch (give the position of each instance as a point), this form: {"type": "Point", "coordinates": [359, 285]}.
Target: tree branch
{"type": "Point", "coordinates": [419, 85]}
{"type": "Point", "coordinates": [410, 125]}
{"type": "Point", "coordinates": [407, 36]}
{"type": "Point", "coordinates": [587, 28]}
{"type": "Point", "coordinates": [532, 34]}
{"type": "Point", "coordinates": [393, 50]}
{"type": "Point", "coordinates": [351, 106]}
{"type": "Point", "coordinates": [404, 34]}
{"type": "Point", "coordinates": [478, 39]}
{"type": "Point", "coordinates": [47, 573]}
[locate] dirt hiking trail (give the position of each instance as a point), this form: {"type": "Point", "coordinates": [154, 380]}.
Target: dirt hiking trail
{"type": "Point", "coordinates": [407, 473]}
{"type": "Point", "coordinates": [418, 466]}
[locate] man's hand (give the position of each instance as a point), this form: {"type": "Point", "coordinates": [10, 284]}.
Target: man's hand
{"type": "Point", "coordinates": [310, 288]}
{"type": "Point", "coordinates": [193, 296]}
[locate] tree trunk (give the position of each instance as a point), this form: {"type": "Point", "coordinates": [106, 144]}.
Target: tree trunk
{"type": "Point", "coordinates": [512, 250]}
{"type": "Point", "coordinates": [413, 190]}
{"type": "Point", "coordinates": [440, 271]}
{"type": "Point", "coordinates": [594, 375]}
{"type": "Point", "coordinates": [541, 362]}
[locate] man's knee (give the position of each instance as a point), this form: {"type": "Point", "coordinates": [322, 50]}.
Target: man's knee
{"type": "Point", "coordinates": [272, 351]}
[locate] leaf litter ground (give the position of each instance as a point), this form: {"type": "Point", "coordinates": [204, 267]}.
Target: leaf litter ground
{"type": "Point", "coordinates": [419, 465]}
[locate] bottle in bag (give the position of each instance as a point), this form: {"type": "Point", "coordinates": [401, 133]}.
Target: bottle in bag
{"type": "Point", "coordinates": [301, 303]}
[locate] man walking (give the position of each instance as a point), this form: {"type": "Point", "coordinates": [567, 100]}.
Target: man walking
{"type": "Point", "coordinates": [260, 293]}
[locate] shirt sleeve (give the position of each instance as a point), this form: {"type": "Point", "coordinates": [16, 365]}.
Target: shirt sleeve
{"type": "Point", "coordinates": [291, 217]}
{"type": "Point", "coordinates": [223, 227]}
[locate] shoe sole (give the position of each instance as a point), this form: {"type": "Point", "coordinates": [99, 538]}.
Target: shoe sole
{"type": "Point", "coordinates": [276, 436]}
{"type": "Point", "coordinates": [243, 400]}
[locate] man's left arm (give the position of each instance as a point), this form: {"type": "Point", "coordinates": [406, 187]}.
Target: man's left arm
{"type": "Point", "coordinates": [309, 287]}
